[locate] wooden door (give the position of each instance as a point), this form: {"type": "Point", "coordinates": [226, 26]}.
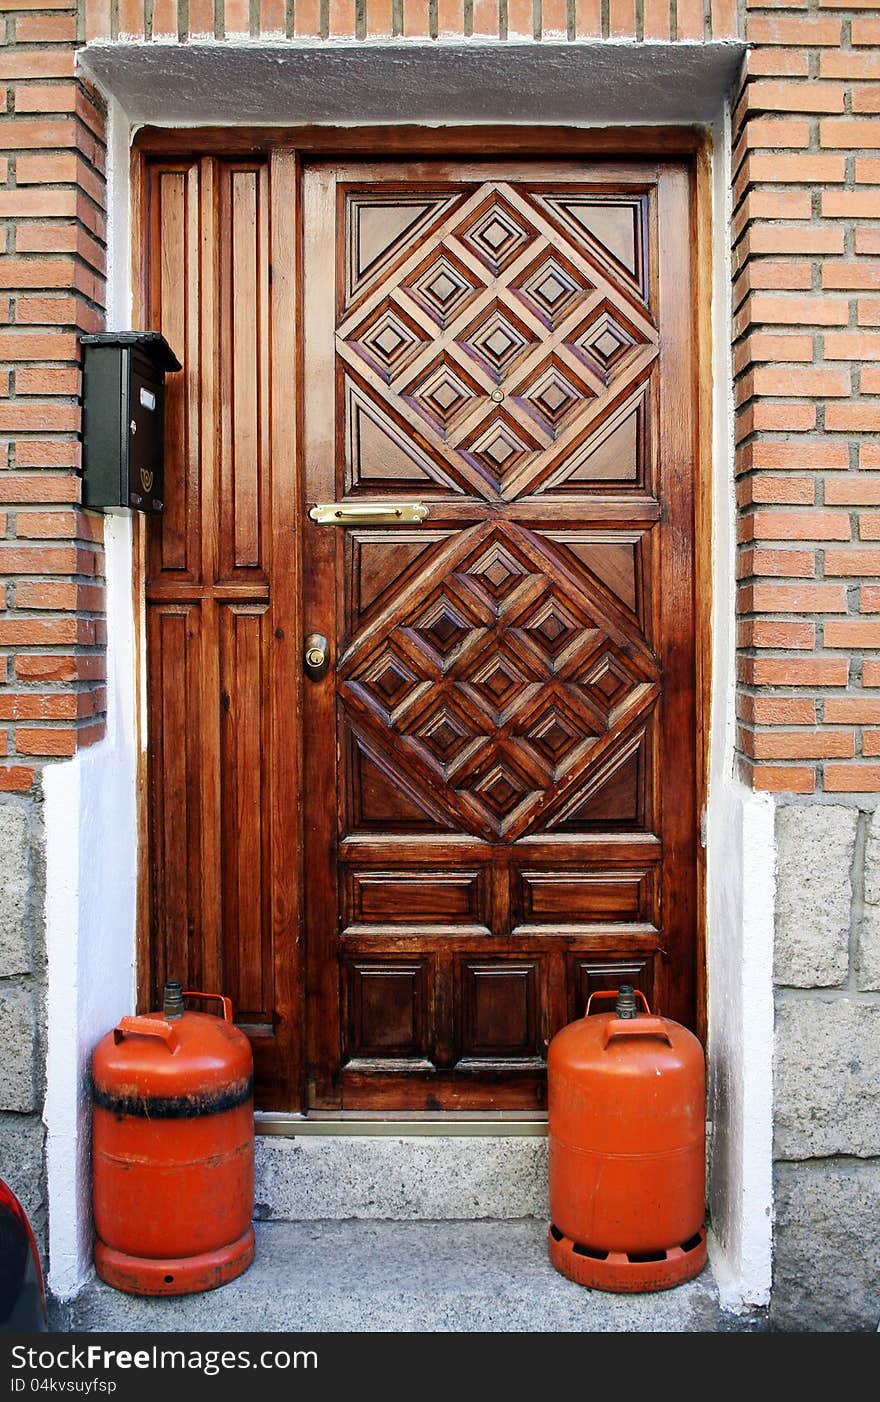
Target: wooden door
{"type": "Point", "coordinates": [500, 812]}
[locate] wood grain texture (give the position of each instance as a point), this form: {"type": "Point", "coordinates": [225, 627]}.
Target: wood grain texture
{"type": "Point", "coordinates": [512, 685]}
{"type": "Point", "coordinates": [223, 733]}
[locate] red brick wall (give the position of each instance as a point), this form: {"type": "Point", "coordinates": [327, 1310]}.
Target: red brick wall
{"type": "Point", "coordinates": [806, 351]}
{"type": "Point", "coordinates": [52, 270]}
{"type": "Point", "coordinates": [806, 235]}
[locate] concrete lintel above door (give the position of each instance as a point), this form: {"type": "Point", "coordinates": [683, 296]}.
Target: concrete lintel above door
{"type": "Point", "coordinates": [589, 84]}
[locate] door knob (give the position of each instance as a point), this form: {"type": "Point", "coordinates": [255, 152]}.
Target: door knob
{"type": "Point", "coordinates": [316, 653]}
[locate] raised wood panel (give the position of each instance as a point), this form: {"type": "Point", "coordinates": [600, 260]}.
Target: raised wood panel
{"type": "Point", "coordinates": [243, 371]}
{"type": "Point", "coordinates": [566, 897]}
{"type": "Point", "coordinates": [244, 645]}
{"type": "Point", "coordinates": [417, 897]}
{"type": "Point", "coordinates": [174, 220]}
{"type": "Point", "coordinates": [387, 1012]}
{"type": "Point", "coordinates": [174, 641]}
{"type": "Point", "coordinates": [593, 975]}
{"type": "Point", "coordinates": [500, 1009]}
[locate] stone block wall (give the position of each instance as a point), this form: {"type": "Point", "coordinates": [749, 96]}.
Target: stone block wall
{"type": "Point", "coordinates": [827, 1069]}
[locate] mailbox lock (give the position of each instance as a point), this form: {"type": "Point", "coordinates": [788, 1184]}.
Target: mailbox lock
{"type": "Point", "coordinates": [133, 427]}
{"type": "Point", "coordinates": [316, 656]}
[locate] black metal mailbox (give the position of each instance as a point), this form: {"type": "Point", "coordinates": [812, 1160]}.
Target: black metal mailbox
{"type": "Point", "coordinates": [124, 418]}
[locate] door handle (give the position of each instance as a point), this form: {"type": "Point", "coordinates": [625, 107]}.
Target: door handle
{"type": "Point", "coordinates": [369, 513]}
{"type": "Point", "coordinates": [316, 656]}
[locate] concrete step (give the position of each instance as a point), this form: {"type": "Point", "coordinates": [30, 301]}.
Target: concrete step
{"type": "Point", "coordinates": [399, 1177]}
{"type": "Point", "coordinates": [405, 1277]}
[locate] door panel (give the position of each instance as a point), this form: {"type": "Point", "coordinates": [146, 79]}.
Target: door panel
{"type": "Point", "coordinates": [505, 740]}
{"type": "Point", "coordinates": [222, 631]}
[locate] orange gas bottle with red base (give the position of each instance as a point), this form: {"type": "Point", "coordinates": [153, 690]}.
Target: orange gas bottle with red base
{"type": "Point", "coordinates": [627, 1123]}
{"type": "Point", "coordinates": [173, 1150]}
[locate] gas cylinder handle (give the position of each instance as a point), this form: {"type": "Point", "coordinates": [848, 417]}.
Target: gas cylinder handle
{"type": "Point", "coordinates": [612, 993]}
{"type": "Point", "coordinates": [220, 997]}
{"type": "Point", "coordinates": [146, 1027]}
{"type": "Point", "coordinates": [636, 1027]}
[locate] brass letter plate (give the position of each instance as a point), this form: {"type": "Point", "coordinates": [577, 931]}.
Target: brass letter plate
{"type": "Point", "coordinates": [369, 513]}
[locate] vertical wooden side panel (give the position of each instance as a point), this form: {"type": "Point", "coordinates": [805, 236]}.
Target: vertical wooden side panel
{"type": "Point", "coordinates": [173, 309]}
{"type": "Point", "coordinates": [242, 702]}
{"type": "Point", "coordinates": [209, 708]}
{"type": "Point", "coordinates": [243, 403]}
{"type": "Point", "coordinates": [677, 624]}
{"type": "Point", "coordinates": [174, 645]}
{"type": "Point", "coordinates": [287, 1090]}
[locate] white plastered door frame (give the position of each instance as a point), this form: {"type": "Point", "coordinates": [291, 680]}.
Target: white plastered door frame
{"type": "Point", "coordinates": [91, 883]}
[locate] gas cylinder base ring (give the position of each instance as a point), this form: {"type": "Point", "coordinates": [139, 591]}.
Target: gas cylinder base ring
{"type": "Point", "coordinates": [140, 1275]}
{"type": "Point", "coordinates": [627, 1273]}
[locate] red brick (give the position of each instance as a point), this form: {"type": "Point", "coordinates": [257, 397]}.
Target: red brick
{"type": "Point", "coordinates": [768, 778]}
{"type": "Point", "coordinates": [794, 671]}
{"type": "Point", "coordinates": [798, 455]}
{"type": "Point", "coordinates": [790, 383]}
{"type": "Point", "coordinates": [771, 633]}
{"type": "Point", "coordinates": [865, 31]}
{"type": "Point", "coordinates": [852, 710]}
{"type": "Point", "coordinates": [871, 672]}
{"type": "Point", "coordinates": [799, 311]}
{"type": "Point", "coordinates": [848, 133]}
{"type": "Point", "coordinates": [845, 64]}
{"type": "Point", "coordinates": [763, 347]}
{"type": "Point", "coordinates": [851, 345]}
{"type": "Point", "coordinates": [801, 169]}
{"type": "Point", "coordinates": [871, 742]}
{"type": "Point", "coordinates": [45, 742]}
{"type": "Point", "coordinates": [852, 418]}
{"type": "Point", "coordinates": [812, 33]}
{"type": "Point", "coordinates": [380, 16]}
{"type": "Point", "coordinates": [764, 417]}
{"type": "Point", "coordinates": [868, 239]}
{"type": "Point", "coordinates": [778, 62]}
{"type": "Point", "coordinates": [853, 491]}
{"type": "Point", "coordinates": [796, 97]}
{"type": "Point", "coordinates": [861, 275]}
{"type": "Point", "coordinates": [851, 204]}
{"type": "Point", "coordinates": [47, 381]}
{"type": "Point", "coordinates": [416, 18]}
{"type": "Point", "coordinates": [792, 238]}
{"type": "Point", "coordinates": [765, 275]}
{"type": "Point", "coordinates": [868, 311]}
{"type": "Point", "coordinates": [803, 744]}
{"type": "Point", "coordinates": [797, 598]}
{"type": "Point", "coordinates": [787, 564]}
{"type": "Point", "coordinates": [869, 457]}
{"type": "Point", "coordinates": [869, 527]}
{"type": "Point", "coordinates": [866, 97]}
{"type": "Point", "coordinates": [852, 632]}
{"type": "Point", "coordinates": [776, 710]}
{"type": "Point", "coordinates": [779, 491]}
{"type": "Point", "coordinates": [841, 563]}
{"type": "Point", "coordinates": [852, 778]}
{"type": "Point", "coordinates": [796, 525]}
{"type": "Point", "coordinates": [45, 29]}
{"type": "Point", "coordinates": [32, 705]}
{"type": "Point", "coordinates": [15, 778]}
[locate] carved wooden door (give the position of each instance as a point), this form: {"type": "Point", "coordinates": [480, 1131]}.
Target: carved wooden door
{"type": "Point", "coordinates": [500, 760]}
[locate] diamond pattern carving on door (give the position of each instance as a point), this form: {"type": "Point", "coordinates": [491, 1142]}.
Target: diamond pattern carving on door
{"type": "Point", "coordinates": [509, 706]}
{"type": "Point", "coordinates": [510, 294]}
{"type": "Point", "coordinates": [497, 683]}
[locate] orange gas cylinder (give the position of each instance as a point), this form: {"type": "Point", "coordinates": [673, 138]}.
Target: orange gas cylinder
{"type": "Point", "coordinates": [173, 1150]}
{"type": "Point", "coordinates": [626, 1095]}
